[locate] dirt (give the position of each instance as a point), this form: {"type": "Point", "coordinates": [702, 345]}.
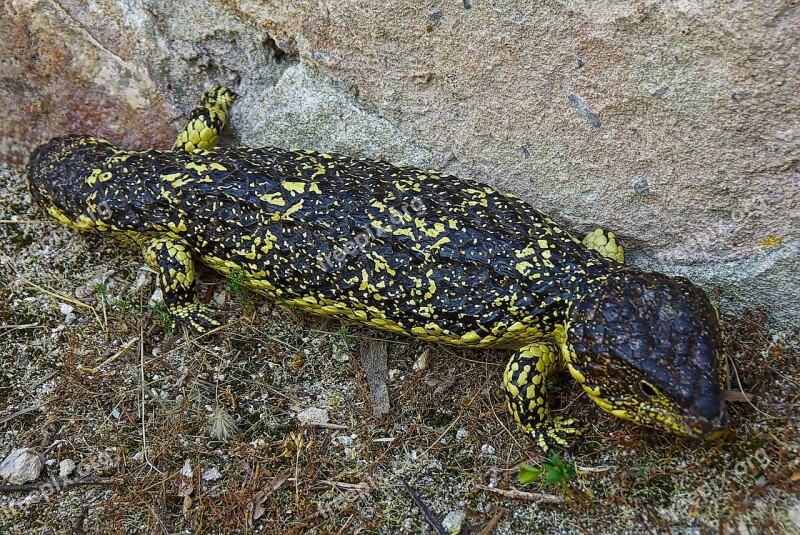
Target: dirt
{"type": "Point", "coordinates": [174, 432]}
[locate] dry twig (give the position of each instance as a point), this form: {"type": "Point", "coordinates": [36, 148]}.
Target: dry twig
{"type": "Point", "coordinates": [426, 511]}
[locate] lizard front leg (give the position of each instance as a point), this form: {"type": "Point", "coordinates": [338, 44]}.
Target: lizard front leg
{"type": "Point", "coordinates": [525, 382]}
{"type": "Point", "coordinates": [172, 260]}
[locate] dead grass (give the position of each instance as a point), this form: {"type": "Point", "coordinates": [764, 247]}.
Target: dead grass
{"type": "Point", "coordinates": [108, 388]}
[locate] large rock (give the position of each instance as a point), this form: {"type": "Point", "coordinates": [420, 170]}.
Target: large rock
{"type": "Point", "coordinates": [676, 124]}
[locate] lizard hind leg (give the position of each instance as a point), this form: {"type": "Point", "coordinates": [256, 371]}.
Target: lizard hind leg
{"type": "Point", "coordinates": [525, 382]}
{"type": "Point", "coordinates": [206, 121]}
{"type": "Point", "coordinates": [604, 243]}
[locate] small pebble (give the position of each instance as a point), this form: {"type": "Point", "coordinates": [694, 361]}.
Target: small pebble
{"type": "Point", "coordinates": [65, 468]}
{"type": "Point", "coordinates": [220, 298]}
{"type": "Point", "coordinates": [422, 362]}
{"type": "Point", "coordinates": [312, 416]}
{"type": "Point", "coordinates": [187, 471]}
{"type": "Point", "coordinates": [156, 298]}
{"type": "Point", "coordinates": [212, 474]}
{"type": "Point", "coordinates": [454, 521]}
{"type": "Point", "coordinates": [21, 465]}
{"type": "Point", "coordinates": [84, 292]}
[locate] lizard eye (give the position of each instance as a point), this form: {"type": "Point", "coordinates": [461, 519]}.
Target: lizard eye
{"type": "Point", "coordinates": [647, 389]}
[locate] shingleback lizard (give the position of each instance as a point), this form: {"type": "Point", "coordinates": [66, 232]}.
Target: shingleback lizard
{"type": "Point", "coordinates": [416, 252]}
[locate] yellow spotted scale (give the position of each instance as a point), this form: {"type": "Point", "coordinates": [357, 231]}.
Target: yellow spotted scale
{"type": "Point", "coordinates": [415, 252]}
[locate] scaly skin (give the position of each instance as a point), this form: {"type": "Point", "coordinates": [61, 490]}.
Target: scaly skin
{"type": "Point", "coordinates": [415, 252]}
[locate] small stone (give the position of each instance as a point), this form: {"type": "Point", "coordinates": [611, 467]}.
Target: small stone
{"type": "Point", "coordinates": [21, 465]}
{"type": "Point", "coordinates": [186, 487]}
{"type": "Point", "coordinates": [487, 449]}
{"type": "Point", "coordinates": [212, 474]}
{"type": "Point", "coordinates": [220, 298]}
{"type": "Point", "coordinates": [187, 471]}
{"type": "Point", "coordinates": [84, 292]}
{"type": "Point", "coordinates": [454, 521]}
{"type": "Point", "coordinates": [65, 468]}
{"type": "Point", "coordinates": [394, 375]}
{"type": "Point", "coordinates": [462, 433]}
{"type": "Point", "coordinates": [65, 309]}
{"type": "Point", "coordinates": [156, 298]}
{"type": "Point", "coordinates": [422, 362]}
{"type": "Point", "coordinates": [313, 416]}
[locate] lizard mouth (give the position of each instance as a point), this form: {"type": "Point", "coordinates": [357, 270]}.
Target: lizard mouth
{"type": "Point", "coordinates": [663, 419]}
{"type": "Point", "coordinates": [690, 426]}
{"type": "Point", "coordinates": [713, 429]}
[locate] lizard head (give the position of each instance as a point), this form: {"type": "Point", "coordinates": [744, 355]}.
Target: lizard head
{"type": "Point", "coordinates": [648, 348]}
{"type": "Point", "coordinates": [63, 176]}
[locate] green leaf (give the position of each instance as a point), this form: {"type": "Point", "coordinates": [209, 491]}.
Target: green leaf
{"type": "Point", "coordinates": [554, 476]}
{"type": "Point", "coordinates": [555, 460]}
{"type": "Point", "coordinates": [528, 474]}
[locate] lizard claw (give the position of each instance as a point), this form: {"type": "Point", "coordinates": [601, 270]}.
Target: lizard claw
{"type": "Point", "coordinates": [196, 315]}
{"type": "Point", "coordinates": [554, 433]}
